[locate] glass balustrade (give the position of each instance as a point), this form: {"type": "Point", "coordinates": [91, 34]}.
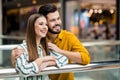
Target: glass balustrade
{"type": "Point", "coordinates": [100, 53]}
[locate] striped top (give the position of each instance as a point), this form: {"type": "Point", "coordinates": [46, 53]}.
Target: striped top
{"type": "Point", "coordinates": [28, 69]}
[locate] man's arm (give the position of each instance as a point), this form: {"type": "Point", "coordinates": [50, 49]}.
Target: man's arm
{"type": "Point", "coordinates": [77, 57]}
{"type": "Point", "coordinates": [74, 56]}
{"type": "Point", "coordinates": [16, 52]}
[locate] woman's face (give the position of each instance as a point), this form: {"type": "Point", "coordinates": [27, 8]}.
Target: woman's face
{"type": "Point", "coordinates": [41, 27]}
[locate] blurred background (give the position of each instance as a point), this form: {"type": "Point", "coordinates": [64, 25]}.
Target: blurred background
{"type": "Point", "coordinates": [90, 20]}
{"type": "Point", "coordinates": [87, 19]}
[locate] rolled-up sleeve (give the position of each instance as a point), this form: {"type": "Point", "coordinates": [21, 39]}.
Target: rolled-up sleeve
{"type": "Point", "coordinates": [77, 46]}
{"type": "Point", "coordinates": [24, 67]}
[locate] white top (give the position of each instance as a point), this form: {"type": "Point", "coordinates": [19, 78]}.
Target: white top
{"type": "Point", "coordinates": [27, 69]}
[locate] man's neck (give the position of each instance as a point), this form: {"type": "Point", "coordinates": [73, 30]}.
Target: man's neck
{"type": "Point", "coordinates": [51, 36]}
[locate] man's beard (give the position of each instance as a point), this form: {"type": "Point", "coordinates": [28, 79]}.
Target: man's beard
{"type": "Point", "coordinates": [54, 32]}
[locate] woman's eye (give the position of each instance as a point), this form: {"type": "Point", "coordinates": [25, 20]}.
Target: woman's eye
{"type": "Point", "coordinates": [40, 23]}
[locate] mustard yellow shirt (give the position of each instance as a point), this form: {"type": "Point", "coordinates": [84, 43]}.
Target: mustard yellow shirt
{"type": "Point", "coordinates": [68, 41]}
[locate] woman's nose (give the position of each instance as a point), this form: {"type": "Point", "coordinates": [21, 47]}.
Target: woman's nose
{"type": "Point", "coordinates": [45, 26]}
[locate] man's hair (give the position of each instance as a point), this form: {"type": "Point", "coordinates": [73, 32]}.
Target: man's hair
{"type": "Point", "coordinates": [47, 8]}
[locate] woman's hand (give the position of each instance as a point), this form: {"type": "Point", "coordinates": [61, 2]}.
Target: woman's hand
{"type": "Point", "coordinates": [48, 58]}
{"type": "Point", "coordinates": [46, 64]}
{"type": "Point", "coordinates": [45, 61]}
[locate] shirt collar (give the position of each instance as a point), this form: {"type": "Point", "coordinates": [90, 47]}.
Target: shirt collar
{"type": "Point", "coordinates": [60, 35]}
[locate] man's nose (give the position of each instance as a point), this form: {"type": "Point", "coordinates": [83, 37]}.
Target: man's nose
{"type": "Point", "coordinates": [57, 21]}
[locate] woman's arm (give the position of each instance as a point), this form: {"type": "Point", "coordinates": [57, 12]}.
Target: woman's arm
{"type": "Point", "coordinates": [61, 60]}
{"type": "Point", "coordinates": [45, 61]}
{"type": "Point", "coordinates": [26, 68]}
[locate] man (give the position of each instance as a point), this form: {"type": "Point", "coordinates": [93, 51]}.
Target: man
{"type": "Point", "coordinates": [62, 41]}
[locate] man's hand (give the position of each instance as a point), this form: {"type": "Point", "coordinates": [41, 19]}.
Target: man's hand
{"type": "Point", "coordinates": [16, 52]}
{"type": "Point", "coordinates": [54, 47]}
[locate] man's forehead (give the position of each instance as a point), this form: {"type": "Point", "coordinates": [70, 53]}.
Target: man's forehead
{"type": "Point", "coordinates": [53, 15]}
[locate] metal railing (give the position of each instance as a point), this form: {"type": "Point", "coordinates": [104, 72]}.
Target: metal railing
{"type": "Point", "coordinates": [11, 72]}
{"type": "Point", "coordinates": [86, 44]}
{"type": "Point", "coordinates": [11, 37]}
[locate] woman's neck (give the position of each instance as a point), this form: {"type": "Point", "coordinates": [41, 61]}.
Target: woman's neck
{"type": "Point", "coordinates": [38, 41]}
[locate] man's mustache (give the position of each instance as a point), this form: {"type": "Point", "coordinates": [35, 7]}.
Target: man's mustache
{"type": "Point", "coordinates": [56, 25]}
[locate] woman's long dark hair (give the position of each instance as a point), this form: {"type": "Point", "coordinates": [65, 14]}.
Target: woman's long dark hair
{"type": "Point", "coordinates": [31, 38]}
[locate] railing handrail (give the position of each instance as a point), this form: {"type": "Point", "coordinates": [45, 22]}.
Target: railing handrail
{"type": "Point", "coordinates": [101, 43]}
{"type": "Point", "coordinates": [86, 44]}
{"type": "Point", "coordinates": [12, 37]}
{"type": "Point", "coordinates": [11, 72]}
{"type": "Point", "coordinates": [7, 47]}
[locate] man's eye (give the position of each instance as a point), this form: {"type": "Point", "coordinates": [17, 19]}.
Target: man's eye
{"type": "Point", "coordinates": [52, 20]}
{"type": "Point", "coordinates": [58, 18]}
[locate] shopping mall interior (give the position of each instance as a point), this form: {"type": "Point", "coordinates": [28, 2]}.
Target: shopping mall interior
{"type": "Point", "coordinates": [97, 19]}
{"type": "Point", "coordinates": [93, 22]}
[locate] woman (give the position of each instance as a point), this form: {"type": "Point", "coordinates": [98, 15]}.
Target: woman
{"type": "Point", "coordinates": [36, 53]}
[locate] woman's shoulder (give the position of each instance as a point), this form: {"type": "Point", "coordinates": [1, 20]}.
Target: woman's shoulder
{"type": "Point", "coordinates": [22, 45]}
